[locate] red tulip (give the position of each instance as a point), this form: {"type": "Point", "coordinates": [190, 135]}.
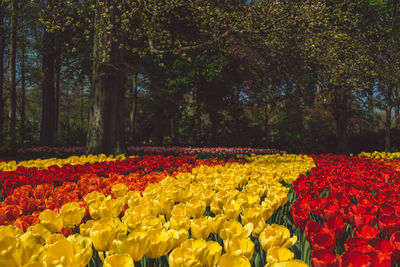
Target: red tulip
{"type": "Point", "coordinates": [323, 240]}
{"type": "Point", "coordinates": [354, 259]}
{"type": "Point", "coordinates": [300, 216]}
{"type": "Point", "coordinates": [311, 228]}
{"type": "Point", "coordinates": [323, 258]}
{"type": "Point", "coordinates": [337, 225]}
{"type": "Point", "coordinates": [367, 232]}
{"type": "Point", "coordinates": [388, 224]}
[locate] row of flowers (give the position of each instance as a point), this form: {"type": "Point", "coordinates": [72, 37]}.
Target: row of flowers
{"type": "Point", "coordinates": [211, 216]}
{"type": "Point", "coordinates": [380, 155]}
{"type": "Point", "coordinates": [58, 175]}
{"type": "Point", "coordinates": [349, 208]}
{"type": "Point", "coordinates": [42, 164]}
{"type": "Point", "coordinates": [23, 206]}
{"type": "Point", "coordinates": [203, 150]}
{"type": "Point", "coordinates": [156, 149]}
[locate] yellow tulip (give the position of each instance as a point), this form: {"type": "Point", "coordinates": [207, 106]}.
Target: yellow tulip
{"type": "Point", "coordinates": [180, 222]}
{"type": "Point", "coordinates": [51, 220]}
{"type": "Point", "coordinates": [119, 190]}
{"type": "Point", "coordinates": [84, 228]}
{"type": "Point", "coordinates": [111, 207]}
{"type": "Point", "coordinates": [150, 223]}
{"type": "Point", "coordinates": [132, 221]}
{"type": "Point", "coordinates": [66, 253]}
{"type": "Point", "coordinates": [254, 216]}
{"type": "Point", "coordinates": [232, 209]}
{"type": "Point", "coordinates": [10, 230]}
{"type": "Point", "coordinates": [133, 198]}
{"type": "Point", "coordinates": [212, 254]}
{"type": "Point", "coordinates": [240, 247]}
{"type": "Point", "coordinates": [94, 210]}
{"type": "Point", "coordinates": [85, 246]}
{"type": "Point", "coordinates": [135, 244]}
{"type": "Point", "coordinates": [72, 214]}
{"type": "Point", "coordinates": [178, 236]}
{"type": "Point", "coordinates": [102, 236]}
{"type": "Point", "coordinates": [30, 244]}
{"type": "Point", "coordinates": [160, 243]}
{"type": "Point", "coordinates": [207, 196]}
{"type": "Point", "coordinates": [291, 263]}
{"type": "Point", "coordinates": [54, 238]}
{"type": "Point", "coordinates": [164, 206]}
{"type": "Point", "coordinates": [217, 222]}
{"type": "Point", "coordinates": [227, 260]}
{"type": "Point", "coordinates": [233, 228]}
{"type": "Point", "coordinates": [197, 207]}
{"type": "Point", "coordinates": [197, 246]}
{"type": "Point", "coordinates": [181, 209]}
{"type": "Point", "coordinates": [276, 235]}
{"type": "Point", "coordinates": [118, 260]}
{"type": "Point", "coordinates": [277, 254]}
{"type": "Point", "coordinates": [144, 210]}
{"type": "Point", "coordinates": [94, 196]}
{"type": "Point", "coordinates": [215, 207]}
{"type": "Point", "coordinates": [221, 198]}
{"type": "Point", "coordinates": [10, 254]}
{"type": "Point", "coordinates": [183, 257]}
{"type": "Point", "coordinates": [40, 233]}
{"type": "Point", "coordinates": [199, 228]}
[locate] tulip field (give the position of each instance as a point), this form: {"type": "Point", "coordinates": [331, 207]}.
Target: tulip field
{"type": "Point", "coordinates": [201, 207]}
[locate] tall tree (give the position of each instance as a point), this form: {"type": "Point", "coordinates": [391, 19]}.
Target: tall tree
{"type": "Point", "coordinates": [156, 32]}
{"type": "Point", "coordinates": [106, 130]}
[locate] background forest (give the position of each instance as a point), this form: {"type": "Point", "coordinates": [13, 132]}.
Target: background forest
{"type": "Point", "coordinates": [303, 76]}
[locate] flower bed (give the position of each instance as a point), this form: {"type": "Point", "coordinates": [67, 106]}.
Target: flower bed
{"type": "Point", "coordinates": [208, 216]}
{"type": "Point", "coordinates": [22, 207]}
{"type": "Point", "coordinates": [349, 208]}
{"type": "Point", "coordinates": [57, 175]}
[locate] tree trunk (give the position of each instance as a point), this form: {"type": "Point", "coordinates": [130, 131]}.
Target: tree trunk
{"type": "Point", "coordinates": [132, 114]}
{"type": "Point", "coordinates": [371, 108]}
{"type": "Point", "coordinates": [106, 127]}
{"type": "Point", "coordinates": [48, 126]}
{"type": "Point", "coordinates": [57, 74]}
{"type": "Point", "coordinates": [388, 120]}
{"type": "Point", "coordinates": [2, 47]}
{"type": "Point", "coordinates": [397, 108]}
{"type": "Point", "coordinates": [266, 122]}
{"type": "Point", "coordinates": [13, 88]}
{"type": "Point", "coordinates": [341, 120]}
{"type": "Point", "coordinates": [23, 93]}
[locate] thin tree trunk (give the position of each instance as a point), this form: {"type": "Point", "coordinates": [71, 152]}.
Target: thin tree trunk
{"type": "Point", "coordinates": [132, 114]}
{"type": "Point", "coordinates": [57, 70]}
{"type": "Point", "coordinates": [13, 56]}
{"type": "Point", "coordinates": [341, 120]}
{"type": "Point", "coordinates": [106, 127]}
{"type": "Point", "coordinates": [388, 120]}
{"type": "Point", "coordinates": [397, 108]}
{"type": "Point", "coordinates": [48, 125]}
{"type": "Point", "coordinates": [2, 47]}
{"type": "Point", "coordinates": [266, 121]}
{"type": "Point", "coordinates": [23, 93]}
{"type": "Point", "coordinates": [82, 111]}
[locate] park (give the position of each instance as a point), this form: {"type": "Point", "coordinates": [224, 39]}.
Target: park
{"type": "Point", "coordinates": [151, 133]}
